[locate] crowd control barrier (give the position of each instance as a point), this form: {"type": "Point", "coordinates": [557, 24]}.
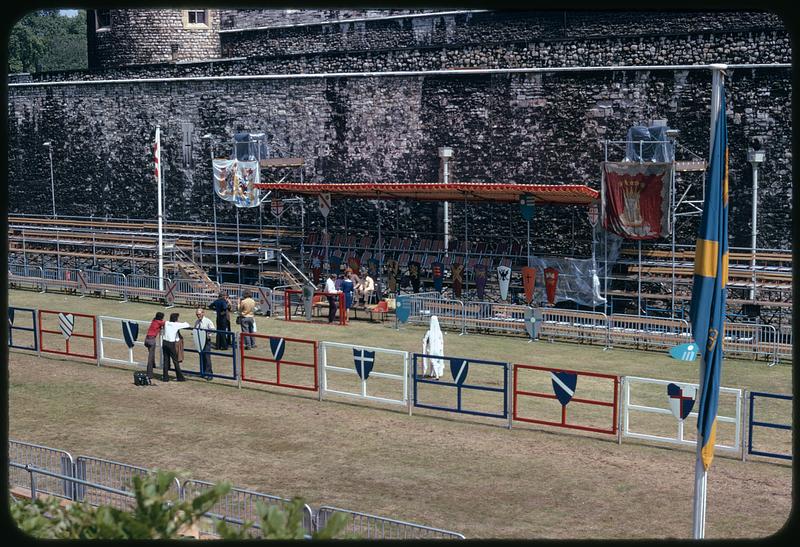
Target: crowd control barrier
{"type": "Point", "coordinates": [658, 401]}
{"type": "Point", "coordinates": [293, 302]}
{"type": "Point", "coordinates": [360, 372]}
{"type": "Point", "coordinates": [122, 341]}
{"type": "Point", "coordinates": [146, 286]}
{"type": "Point", "coordinates": [43, 457]}
{"type": "Point", "coordinates": [292, 362]}
{"type": "Point", "coordinates": [749, 341]}
{"type": "Point", "coordinates": [754, 423]}
{"type": "Point", "coordinates": [105, 283]}
{"type": "Point", "coordinates": [644, 332]}
{"type": "Point", "coordinates": [77, 332]}
{"type": "Point", "coordinates": [462, 385]}
{"type": "Point", "coordinates": [113, 475]}
{"type": "Point", "coordinates": [193, 293]}
{"type": "Point", "coordinates": [563, 386]}
{"type": "Point", "coordinates": [450, 313]}
{"type": "Point", "coordinates": [238, 506]}
{"type": "Point", "coordinates": [574, 326]}
{"type": "Point", "coordinates": [22, 328]}
{"type": "Point", "coordinates": [65, 279]}
{"type": "Point", "coordinates": [20, 275]}
{"type": "Point", "coordinates": [368, 526]}
{"type": "Point", "coordinates": [192, 338]}
{"type": "Point", "coordinates": [494, 317]}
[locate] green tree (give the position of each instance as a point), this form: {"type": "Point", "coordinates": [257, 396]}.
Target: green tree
{"type": "Point", "coordinates": [44, 40]}
{"type": "Point", "coordinates": [156, 515]}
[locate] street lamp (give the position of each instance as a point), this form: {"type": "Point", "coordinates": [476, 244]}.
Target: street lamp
{"type": "Point", "coordinates": [49, 146]}
{"type": "Point", "coordinates": [755, 155]}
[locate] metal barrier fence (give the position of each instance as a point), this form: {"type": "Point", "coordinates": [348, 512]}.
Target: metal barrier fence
{"type": "Point", "coordinates": [146, 286]}
{"type": "Point", "coordinates": [236, 292]}
{"type": "Point", "coordinates": [749, 340]}
{"type": "Point", "coordinates": [106, 283]}
{"type": "Point", "coordinates": [565, 384]}
{"type": "Point", "coordinates": [368, 526]}
{"type": "Point", "coordinates": [110, 474]}
{"type": "Point", "coordinates": [363, 361]}
{"type": "Point", "coordinates": [66, 324]}
{"type": "Point", "coordinates": [769, 425]}
{"type": "Point", "coordinates": [450, 313]}
{"type": "Point", "coordinates": [194, 293]}
{"type": "Point", "coordinates": [665, 410]}
{"type": "Point", "coordinates": [121, 350]}
{"type": "Point", "coordinates": [493, 316]}
{"type": "Point", "coordinates": [239, 505]}
{"type": "Point", "coordinates": [16, 324]}
{"type": "Point", "coordinates": [19, 274]}
{"type": "Point", "coordinates": [293, 298]}
{"type": "Point", "coordinates": [572, 325]}
{"type": "Point", "coordinates": [50, 459]}
{"type": "Point", "coordinates": [281, 355]}
{"type": "Point", "coordinates": [197, 337]}
{"type": "Point", "coordinates": [644, 332]}
{"type": "Point", "coordinates": [459, 370]}
{"type": "Point", "coordinates": [783, 345]}
{"type": "Point", "coordinates": [60, 278]}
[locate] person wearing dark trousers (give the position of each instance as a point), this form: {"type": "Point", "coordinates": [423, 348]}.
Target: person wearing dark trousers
{"type": "Point", "coordinates": [150, 341]}
{"type": "Point", "coordinates": [333, 297]}
{"type": "Point", "coordinates": [247, 312]}
{"type": "Point", "coordinates": [170, 340]}
{"type": "Point", "coordinates": [202, 341]}
{"type": "Point", "coordinates": [222, 305]}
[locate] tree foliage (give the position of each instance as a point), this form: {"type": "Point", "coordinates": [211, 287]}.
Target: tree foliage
{"type": "Point", "coordinates": [157, 515]}
{"type": "Point", "coordinates": [44, 40]}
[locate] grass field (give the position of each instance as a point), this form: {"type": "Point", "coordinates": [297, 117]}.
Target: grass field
{"type": "Point", "coordinates": [462, 473]}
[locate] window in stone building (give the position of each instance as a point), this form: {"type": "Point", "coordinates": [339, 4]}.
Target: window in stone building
{"type": "Point", "coordinates": [187, 130]}
{"type": "Point", "coordinates": [102, 19]}
{"type": "Point", "coordinates": [195, 18]}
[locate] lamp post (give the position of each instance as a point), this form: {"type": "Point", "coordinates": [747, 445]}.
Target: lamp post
{"type": "Point", "coordinates": [445, 153]}
{"type": "Point", "coordinates": [755, 155]}
{"type": "Point", "coordinates": [49, 146]}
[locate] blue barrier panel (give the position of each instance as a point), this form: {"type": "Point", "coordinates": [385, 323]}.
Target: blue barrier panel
{"type": "Point", "coordinates": [458, 370]}
{"type": "Point", "coordinates": [22, 320]}
{"type": "Point", "coordinates": [770, 425]}
{"type": "Point", "coordinates": [191, 340]}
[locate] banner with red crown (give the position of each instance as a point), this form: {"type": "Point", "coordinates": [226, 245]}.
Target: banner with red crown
{"type": "Point", "coordinates": [636, 199]}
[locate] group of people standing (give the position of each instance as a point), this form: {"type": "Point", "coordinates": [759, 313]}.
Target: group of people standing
{"type": "Point", "coordinates": [355, 289]}
{"type": "Point", "coordinates": [172, 340]}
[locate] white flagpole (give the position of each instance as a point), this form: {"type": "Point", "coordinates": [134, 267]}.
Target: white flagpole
{"type": "Point", "coordinates": [700, 473]}
{"type": "Point", "coordinates": [160, 212]}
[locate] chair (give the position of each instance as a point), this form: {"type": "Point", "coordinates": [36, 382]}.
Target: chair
{"type": "Point", "coordinates": [381, 308]}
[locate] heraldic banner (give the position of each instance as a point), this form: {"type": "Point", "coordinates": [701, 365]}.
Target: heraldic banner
{"type": "Point", "coordinates": [636, 199]}
{"type": "Point", "coordinates": [235, 181]}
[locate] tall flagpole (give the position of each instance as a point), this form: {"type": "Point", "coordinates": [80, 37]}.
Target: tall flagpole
{"type": "Point", "coordinates": [700, 472]}
{"type": "Point", "coordinates": [160, 210]}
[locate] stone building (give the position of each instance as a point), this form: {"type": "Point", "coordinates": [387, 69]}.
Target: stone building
{"type": "Point", "coordinates": [314, 81]}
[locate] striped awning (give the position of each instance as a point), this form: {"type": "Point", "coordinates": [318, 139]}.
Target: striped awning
{"type": "Point", "coordinates": [496, 192]}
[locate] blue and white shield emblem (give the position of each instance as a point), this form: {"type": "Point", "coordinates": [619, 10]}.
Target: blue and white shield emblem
{"type": "Point", "coordinates": [681, 399]}
{"type": "Point", "coordinates": [530, 322]}
{"type": "Point", "coordinates": [564, 385]}
{"type": "Point", "coordinates": [10, 316]}
{"type": "Point", "coordinates": [277, 345]}
{"type": "Point", "coordinates": [66, 323]}
{"type": "Point", "coordinates": [403, 309]}
{"type": "Point", "coordinates": [459, 369]}
{"type": "Point", "coordinates": [364, 360]}
{"type": "Point", "coordinates": [684, 352]}
{"type": "Point", "coordinates": [130, 332]}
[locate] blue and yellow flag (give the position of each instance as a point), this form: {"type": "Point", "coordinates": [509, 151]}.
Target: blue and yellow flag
{"type": "Point", "coordinates": [710, 278]}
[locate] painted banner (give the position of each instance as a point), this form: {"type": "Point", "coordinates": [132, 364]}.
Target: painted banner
{"type": "Point", "coordinates": [458, 278]}
{"type": "Point", "coordinates": [503, 278]}
{"type": "Point", "coordinates": [235, 181]}
{"type": "Point", "coordinates": [437, 270]}
{"type": "Point", "coordinates": [550, 284]}
{"type": "Point", "coordinates": [392, 272]}
{"type": "Point", "coordinates": [681, 399]}
{"type": "Point", "coordinates": [413, 274]}
{"type": "Point", "coordinates": [354, 263]}
{"type": "Point", "coordinates": [526, 204]}
{"type": "Point", "coordinates": [276, 206]}
{"type": "Point", "coordinates": [636, 199]}
{"type": "Point", "coordinates": [529, 282]}
{"type": "Point", "coordinates": [335, 262]}
{"type": "Point", "coordinates": [325, 204]}
{"type": "Point", "coordinates": [592, 214]}
{"type": "Point", "coordinates": [480, 280]}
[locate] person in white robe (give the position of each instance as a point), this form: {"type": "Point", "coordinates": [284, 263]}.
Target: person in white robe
{"type": "Point", "coordinates": [433, 344]}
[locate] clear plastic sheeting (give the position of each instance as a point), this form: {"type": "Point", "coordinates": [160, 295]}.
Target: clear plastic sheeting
{"type": "Point", "coordinates": [248, 146]}
{"type": "Point", "coordinates": [640, 144]}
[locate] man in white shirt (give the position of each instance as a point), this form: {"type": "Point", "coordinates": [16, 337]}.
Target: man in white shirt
{"type": "Point", "coordinates": [169, 342]}
{"type": "Point", "coordinates": [202, 341]}
{"type": "Point", "coordinates": [333, 297]}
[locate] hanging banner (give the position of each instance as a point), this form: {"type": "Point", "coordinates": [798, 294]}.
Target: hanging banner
{"type": "Point", "coordinates": [480, 280]}
{"type": "Point", "coordinates": [325, 204]}
{"type": "Point", "coordinates": [437, 271]}
{"type": "Point", "coordinates": [503, 278]}
{"type": "Point", "coordinates": [276, 206]}
{"type": "Point", "coordinates": [372, 268]}
{"type": "Point", "coordinates": [392, 273]}
{"type": "Point", "coordinates": [592, 214]}
{"type": "Point", "coordinates": [354, 263]}
{"type": "Point", "coordinates": [335, 262]}
{"type": "Point", "coordinates": [413, 275]}
{"type": "Point", "coordinates": [526, 202]}
{"type": "Point", "coordinates": [550, 284]}
{"type": "Point", "coordinates": [235, 181]}
{"type": "Point", "coordinates": [457, 270]}
{"type": "Point", "coordinates": [528, 282]}
{"type": "Point", "coordinates": [636, 199]}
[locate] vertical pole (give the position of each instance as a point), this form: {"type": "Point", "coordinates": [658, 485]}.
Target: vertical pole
{"type": "Point", "coordinates": [238, 249]}
{"type": "Point", "coordinates": [214, 209]}
{"type": "Point", "coordinates": [673, 211]}
{"type": "Point", "coordinates": [52, 179]}
{"type": "Point", "coordinates": [639, 305]}
{"type": "Point", "coordinates": [754, 227]}
{"type": "Point", "coordinates": [605, 232]}
{"type": "Point", "coordinates": [528, 222]}
{"type": "Point", "coordinates": [160, 211]}
{"type": "Point", "coordinates": [466, 248]}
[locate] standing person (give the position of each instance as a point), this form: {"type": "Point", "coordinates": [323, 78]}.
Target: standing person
{"type": "Point", "coordinates": [433, 344]}
{"type": "Point", "coordinates": [247, 312]}
{"type": "Point", "coordinates": [150, 341]}
{"type": "Point", "coordinates": [222, 305]}
{"type": "Point", "coordinates": [333, 297]}
{"type": "Point", "coordinates": [202, 341]}
{"type": "Point", "coordinates": [347, 289]}
{"type": "Point", "coordinates": [170, 341]}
